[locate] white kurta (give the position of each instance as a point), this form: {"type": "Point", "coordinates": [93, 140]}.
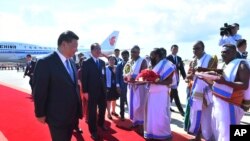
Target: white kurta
{"type": "Point", "coordinates": [157, 109]}
{"type": "Point", "coordinates": [200, 116]}
{"type": "Point", "coordinates": [221, 120]}
{"type": "Point", "coordinates": [232, 114]}
{"type": "Point", "coordinates": [136, 96]}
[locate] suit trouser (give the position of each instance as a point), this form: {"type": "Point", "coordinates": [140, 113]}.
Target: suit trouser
{"type": "Point", "coordinates": [61, 133]}
{"type": "Point", "coordinates": [92, 112]}
{"type": "Point", "coordinates": [174, 95]}
{"type": "Point", "coordinates": [123, 100]}
{"type": "Point", "coordinates": [30, 82]}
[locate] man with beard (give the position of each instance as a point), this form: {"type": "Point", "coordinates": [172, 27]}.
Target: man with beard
{"type": "Point", "coordinates": [157, 108]}
{"type": "Point", "coordinates": [228, 93]}
{"type": "Point", "coordinates": [136, 92]}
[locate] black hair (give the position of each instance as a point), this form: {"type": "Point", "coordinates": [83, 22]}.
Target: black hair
{"type": "Point", "coordinates": [230, 46]}
{"type": "Point", "coordinates": [109, 57]}
{"type": "Point", "coordinates": [67, 36]}
{"type": "Point", "coordinates": [117, 49]}
{"type": "Point", "coordinates": [241, 42]}
{"type": "Point", "coordinates": [201, 43]}
{"type": "Point", "coordinates": [125, 52]}
{"type": "Point", "coordinates": [159, 52]}
{"type": "Point", "coordinates": [237, 24]}
{"type": "Point", "coordinates": [136, 47]}
{"type": "Point", "coordinates": [28, 55]}
{"type": "Point", "coordinates": [93, 46]}
{"type": "Point", "coordinates": [174, 46]}
{"type": "Point", "coordinates": [164, 51]}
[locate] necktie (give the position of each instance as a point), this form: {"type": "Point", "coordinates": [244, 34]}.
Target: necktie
{"type": "Point", "coordinates": [97, 63]}
{"type": "Point", "coordinates": [176, 60]}
{"type": "Point", "coordinates": [70, 71]}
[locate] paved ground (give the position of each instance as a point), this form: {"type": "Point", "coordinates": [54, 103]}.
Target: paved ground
{"type": "Point", "coordinates": [16, 79]}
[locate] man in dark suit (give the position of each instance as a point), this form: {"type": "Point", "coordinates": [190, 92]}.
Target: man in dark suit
{"type": "Point", "coordinates": [29, 69]}
{"type": "Point", "coordinates": [94, 83]}
{"type": "Point", "coordinates": [56, 93]}
{"type": "Point", "coordinates": [180, 69]}
{"type": "Point", "coordinates": [117, 54]}
{"type": "Point", "coordinates": [120, 84]}
{"type": "Point", "coordinates": [241, 49]}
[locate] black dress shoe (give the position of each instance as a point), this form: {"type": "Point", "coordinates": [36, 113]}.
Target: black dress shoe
{"type": "Point", "coordinates": [172, 110]}
{"type": "Point", "coordinates": [94, 136]}
{"type": "Point", "coordinates": [79, 130]}
{"type": "Point", "coordinates": [104, 128]}
{"type": "Point", "coordinates": [182, 114]}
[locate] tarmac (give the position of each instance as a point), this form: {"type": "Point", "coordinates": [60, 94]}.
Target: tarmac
{"type": "Point", "coordinates": [14, 79]}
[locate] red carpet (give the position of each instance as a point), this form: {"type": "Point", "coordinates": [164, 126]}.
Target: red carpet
{"type": "Point", "coordinates": [18, 122]}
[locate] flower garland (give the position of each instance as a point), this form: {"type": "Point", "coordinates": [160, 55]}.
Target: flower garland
{"type": "Point", "coordinates": [127, 71]}
{"type": "Point", "coordinates": [148, 75]}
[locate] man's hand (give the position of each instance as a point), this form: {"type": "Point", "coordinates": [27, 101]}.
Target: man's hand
{"type": "Point", "coordinates": [221, 80]}
{"type": "Point", "coordinates": [41, 119]}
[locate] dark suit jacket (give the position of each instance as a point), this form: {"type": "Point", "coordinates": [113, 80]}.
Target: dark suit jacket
{"type": "Point", "coordinates": [117, 60]}
{"type": "Point", "coordinates": [119, 75]}
{"type": "Point", "coordinates": [30, 69]}
{"type": "Point", "coordinates": [56, 96]}
{"type": "Point", "coordinates": [94, 78]}
{"type": "Point", "coordinates": [179, 65]}
{"type": "Point", "coordinates": [240, 56]}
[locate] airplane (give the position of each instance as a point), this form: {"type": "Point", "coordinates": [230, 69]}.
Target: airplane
{"type": "Point", "coordinates": [16, 52]}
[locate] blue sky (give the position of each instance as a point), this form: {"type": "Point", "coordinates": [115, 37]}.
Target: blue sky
{"type": "Point", "coordinates": [147, 23]}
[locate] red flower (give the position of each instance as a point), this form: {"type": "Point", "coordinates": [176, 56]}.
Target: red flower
{"type": "Point", "coordinates": [147, 75]}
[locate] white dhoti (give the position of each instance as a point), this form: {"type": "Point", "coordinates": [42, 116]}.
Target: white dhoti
{"type": "Point", "coordinates": [200, 115]}
{"type": "Point", "coordinates": [201, 119]}
{"type": "Point", "coordinates": [223, 115]}
{"type": "Point", "coordinates": [157, 113]}
{"type": "Point", "coordinates": [136, 103]}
